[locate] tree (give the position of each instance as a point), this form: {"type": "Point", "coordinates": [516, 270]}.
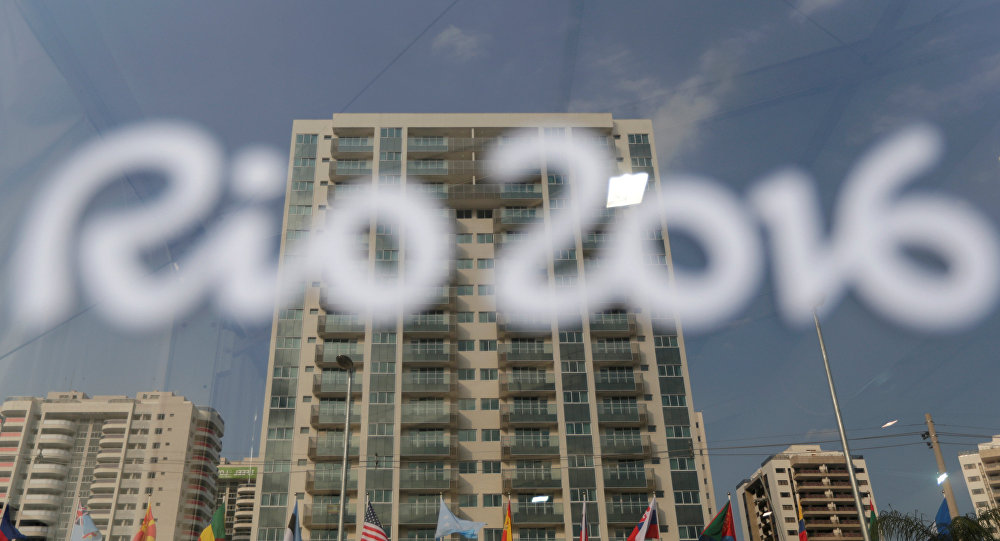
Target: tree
{"type": "Point", "coordinates": [894, 525]}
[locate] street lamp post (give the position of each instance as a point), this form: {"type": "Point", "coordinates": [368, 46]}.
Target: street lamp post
{"type": "Point", "coordinates": [843, 434]}
{"type": "Point", "coordinates": [345, 363]}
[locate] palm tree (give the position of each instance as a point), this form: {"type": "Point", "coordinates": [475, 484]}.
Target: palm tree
{"type": "Point", "coordinates": [894, 525]}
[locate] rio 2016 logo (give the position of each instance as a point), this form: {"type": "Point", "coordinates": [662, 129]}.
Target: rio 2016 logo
{"type": "Point", "coordinates": [873, 224]}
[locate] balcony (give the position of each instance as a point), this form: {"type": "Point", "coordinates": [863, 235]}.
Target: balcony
{"type": "Point", "coordinates": [326, 356]}
{"type": "Point", "coordinates": [332, 416]}
{"type": "Point", "coordinates": [429, 355]}
{"type": "Point", "coordinates": [444, 447]}
{"type": "Point", "coordinates": [412, 479]}
{"type": "Point", "coordinates": [334, 385]}
{"type": "Point", "coordinates": [616, 353]}
{"type": "Point", "coordinates": [531, 384]}
{"type": "Point", "coordinates": [323, 516]}
{"type": "Point", "coordinates": [594, 242]}
{"type": "Point", "coordinates": [620, 325]}
{"type": "Point", "coordinates": [423, 384]}
{"type": "Point", "coordinates": [328, 481]}
{"type": "Point", "coordinates": [510, 218]}
{"type": "Point", "coordinates": [540, 415]}
{"type": "Point", "coordinates": [637, 446]}
{"type": "Point", "coordinates": [614, 384]}
{"type": "Point", "coordinates": [625, 512]}
{"type": "Point", "coordinates": [440, 297]}
{"type": "Point", "coordinates": [536, 514]}
{"type": "Point", "coordinates": [516, 353]}
{"type": "Point", "coordinates": [523, 326]}
{"type": "Point", "coordinates": [60, 441]}
{"type": "Point", "coordinates": [62, 426]}
{"type": "Point", "coordinates": [819, 473]}
{"type": "Point", "coordinates": [423, 415]}
{"type": "Point", "coordinates": [340, 326]}
{"type": "Point", "coordinates": [530, 446]}
{"type": "Point", "coordinates": [429, 325]}
{"type": "Point", "coordinates": [342, 170]}
{"type": "Point", "coordinates": [331, 447]}
{"type": "Point", "coordinates": [493, 195]}
{"type": "Point", "coordinates": [352, 147]}
{"type": "Point", "coordinates": [530, 479]}
{"type": "Point", "coordinates": [628, 480]}
{"type": "Point", "coordinates": [621, 414]}
{"type": "Point", "coordinates": [418, 514]}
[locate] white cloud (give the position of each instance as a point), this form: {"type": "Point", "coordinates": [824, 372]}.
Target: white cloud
{"type": "Point", "coordinates": [458, 44]}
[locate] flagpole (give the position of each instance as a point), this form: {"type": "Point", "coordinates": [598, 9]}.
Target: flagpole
{"type": "Point", "coordinates": [843, 432]}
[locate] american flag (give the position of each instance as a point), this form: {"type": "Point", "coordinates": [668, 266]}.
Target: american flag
{"type": "Point", "coordinates": [373, 530]}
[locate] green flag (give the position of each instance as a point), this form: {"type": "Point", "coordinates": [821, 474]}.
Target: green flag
{"type": "Point", "coordinates": [216, 531]}
{"type": "Point", "coordinates": [872, 527]}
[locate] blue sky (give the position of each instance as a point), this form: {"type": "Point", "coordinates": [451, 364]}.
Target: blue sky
{"type": "Point", "coordinates": [735, 90]}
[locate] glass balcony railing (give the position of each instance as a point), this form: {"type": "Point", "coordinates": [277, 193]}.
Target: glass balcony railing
{"type": "Point", "coordinates": [532, 478]}
{"type": "Point", "coordinates": [331, 447]}
{"type": "Point", "coordinates": [326, 356]}
{"type": "Point", "coordinates": [436, 324]}
{"type": "Point", "coordinates": [621, 414]}
{"type": "Point", "coordinates": [433, 353]}
{"type": "Point", "coordinates": [523, 352]}
{"type": "Point", "coordinates": [531, 383]}
{"type": "Point", "coordinates": [618, 383]}
{"type": "Point", "coordinates": [614, 324]}
{"type": "Point", "coordinates": [639, 479]}
{"type": "Point", "coordinates": [525, 513]}
{"type": "Point", "coordinates": [326, 416]}
{"type": "Point", "coordinates": [625, 512]}
{"type": "Point", "coordinates": [336, 324]}
{"type": "Point", "coordinates": [334, 385]}
{"type": "Point", "coordinates": [428, 479]}
{"type": "Point", "coordinates": [530, 446]}
{"type": "Point", "coordinates": [429, 384]}
{"type": "Point", "coordinates": [544, 414]}
{"type": "Point", "coordinates": [625, 445]}
{"type": "Point", "coordinates": [328, 481]}
{"type": "Point", "coordinates": [445, 446]}
{"type": "Point", "coordinates": [616, 351]}
{"type": "Point", "coordinates": [421, 414]}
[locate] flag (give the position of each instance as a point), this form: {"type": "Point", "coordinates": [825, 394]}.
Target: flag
{"type": "Point", "coordinates": [872, 527]}
{"type": "Point", "coordinates": [216, 530]}
{"type": "Point", "coordinates": [721, 528]}
{"type": "Point", "coordinates": [508, 531]}
{"type": "Point", "coordinates": [292, 532]}
{"type": "Point", "coordinates": [942, 521]}
{"type": "Point", "coordinates": [147, 529]}
{"type": "Point", "coordinates": [83, 527]}
{"type": "Point", "coordinates": [584, 528]}
{"type": "Point", "coordinates": [373, 529]}
{"type": "Point", "coordinates": [7, 529]}
{"type": "Point", "coordinates": [648, 527]}
{"type": "Point", "coordinates": [448, 523]}
{"type": "Point", "coordinates": [803, 536]}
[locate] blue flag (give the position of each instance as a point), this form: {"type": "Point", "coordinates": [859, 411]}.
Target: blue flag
{"type": "Point", "coordinates": [943, 519]}
{"type": "Point", "coordinates": [7, 529]}
{"type": "Point", "coordinates": [448, 523]}
{"type": "Point", "coordinates": [83, 527]}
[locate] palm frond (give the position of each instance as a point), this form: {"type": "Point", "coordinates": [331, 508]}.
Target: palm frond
{"type": "Point", "coordinates": [894, 525]}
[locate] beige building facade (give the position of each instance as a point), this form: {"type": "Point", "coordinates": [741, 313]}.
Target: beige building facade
{"type": "Point", "coordinates": [460, 401]}
{"type": "Point", "coordinates": [110, 454]}
{"type": "Point", "coordinates": [981, 469]}
{"type": "Point", "coordinates": [803, 475]}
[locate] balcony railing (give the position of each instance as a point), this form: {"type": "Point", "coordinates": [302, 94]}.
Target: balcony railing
{"type": "Point", "coordinates": [639, 480]}
{"type": "Point", "coordinates": [625, 446]}
{"type": "Point", "coordinates": [529, 514]}
{"type": "Point", "coordinates": [334, 385]}
{"type": "Point", "coordinates": [545, 414]}
{"type": "Point", "coordinates": [528, 384]}
{"type": "Point", "coordinates": [328, 481]}
{"type": "Point", "coordinates": [421, 414]}
{"type": "Point", "coordinates": [512, 325]}
{"type": "Point", "coordinates": [429, 324]}
{"type": "Point", "coordinates": [325, 515]}
{"type": "Point", "coordinates": [331, 447]}
{"type": "Point", "coordinates": [515, 217]}
{"type": "Point", "coordinates": [429, 354]}
{"type": "Point", "coordinates": [329, 416]}
{"type": "Point", "coordinates": [612, 324]}
{"type": "Point", "coordinates": [418, 383]}
{"type": "Point", "coordinates": [352, 145]}
{"type": "Point", "coordinates": [521, 352]}
{"type": "Point", "coordinates": [429, 447]}
{"type": "Point", "coordinates": [532, 478]}
{"type": "Point", "coordinates": [418, 514]}
{"type": "Point", "coordinates": [335, 325]}
{"type": "Point", "coordinates": [530, 446]}
{"type": "Point", "coordinates": [616, 352]}
{"type": "Point", "coordinates": [428, 480]}
{"type": "Point", "coordinates": [326, 356]}
{"type": "Point", "coordinates": [625, 512]}
{"type": "Point", "coordinates": [618, 383]}
{"type": "Point", "coordinates": [621, 414]}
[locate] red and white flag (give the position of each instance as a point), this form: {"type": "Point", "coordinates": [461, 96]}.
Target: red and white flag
{"type": "Point", "coordinates": [373, 529]}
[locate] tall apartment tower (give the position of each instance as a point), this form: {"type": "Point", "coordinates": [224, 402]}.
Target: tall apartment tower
{"type": "Point", "coordinates": [981, 469]}
{"type": "Point", "coordinates": [237, 488]}
{"type": "Point", "coordinates": [808, 476]}
{"type": "Point", "coordinates": [459, 401]}
{"type": "Point", "coordinates": [110, 454]}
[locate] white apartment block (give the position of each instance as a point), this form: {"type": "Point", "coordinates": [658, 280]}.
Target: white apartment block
{"type": "Point", "coordinates": [110, 454]}
{"type": "Point", "coordinates": [237, 487]}
{"type": "Point", "coordinates": [808, 476]}
{"type": "Point", "coordinates": [981, 469]}
{"type": "Point", "coordinates": [459, 400]}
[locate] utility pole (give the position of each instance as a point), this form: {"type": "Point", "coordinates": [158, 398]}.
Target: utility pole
{"type": "Point", "coordinates": [949, 495]}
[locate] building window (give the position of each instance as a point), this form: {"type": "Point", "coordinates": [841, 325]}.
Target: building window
{"type": "Point", "coordinates": [491, 466]}
{"type": "Point", "coordinates": [487, 345]}
{"type": "Point", "coordinates": [463, 264]}
{"type": "Point", "coordinates": [464, 317]}
{"type": "Point", "coordinates": [492, 500]}
{"type": "Point", "coordinates": [468, 500]}
{"type": "Point", "coordinates": [466, 345]}
{"type": "Point", "coordinates": [467, 466]}
{"type": "Point", "coordinates": [484, 263]}
{"type": "Point", "coordinates": [487, 289]}
{"type": "Point", "coordinates": [466, 374]}
{"type": "Point", "coordinates": [489, 404]}
{"type": "Point", "coordinates": [488, 374]}
{"type": "Point", "coordinates": [491, 434]}
{"type": "Point", "coordinates": [466, 404]}
{"type": "Point", "coordinates": [463, 290]}
{"type": "Point", "coordinates": [686, 497]}
{"type": "Point", "coordinates": [575, 397]}
{"type": "Point", "coordinates": [484, 238]}
{"type": "Point", "coordinates": [467, 435]}
{"type": "Point", "coordinates": [487, 317]}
